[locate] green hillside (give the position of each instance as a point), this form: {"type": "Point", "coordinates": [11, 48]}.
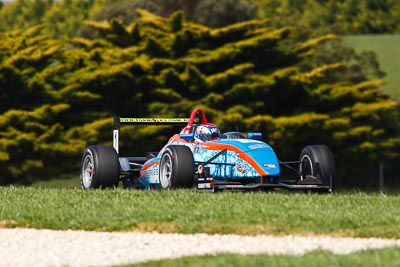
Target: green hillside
{"type": "Point", "coordinates": [387, 48]}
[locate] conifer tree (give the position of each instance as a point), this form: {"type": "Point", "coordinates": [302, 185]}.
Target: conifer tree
{"type": "Point", "coordinates": [247, 76]}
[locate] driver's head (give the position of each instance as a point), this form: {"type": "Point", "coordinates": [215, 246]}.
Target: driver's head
{"type": "Point", "coordinates": [206, 132]}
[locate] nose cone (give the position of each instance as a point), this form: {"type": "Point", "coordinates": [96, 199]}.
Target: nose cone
{"type": "Point", "coordinates": [266, 159]}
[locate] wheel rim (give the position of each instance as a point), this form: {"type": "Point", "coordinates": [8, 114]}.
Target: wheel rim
{"type": "Point", "coordinates": [166, 171]}
{"type": "Point", "coordinates": [306, 167]}
{"type": "Point", "coordinates": [87, 171]}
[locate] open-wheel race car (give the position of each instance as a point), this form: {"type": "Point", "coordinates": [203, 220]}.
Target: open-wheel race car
{"type": "Point", "coordinates": [201, 157]}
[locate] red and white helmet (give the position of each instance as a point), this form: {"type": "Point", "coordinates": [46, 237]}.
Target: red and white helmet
{"type": "Point", "coordinates": [206, 132]}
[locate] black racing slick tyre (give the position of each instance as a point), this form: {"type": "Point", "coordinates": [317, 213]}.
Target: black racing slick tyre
{"type": "Point", "coordinates": [317, 161]}
{"type": "Point", "coordinates": [99, 167]}
{"type": "Point", "coordinates": [176, 167]}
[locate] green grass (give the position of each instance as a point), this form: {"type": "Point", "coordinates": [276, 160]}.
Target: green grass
{"type": "Point", "coordinates": [187, 211]}
{"type": "Point", "coordinates": [389, 257]}
{"type": "Point", "coordinates": [387, 48]}
{"type": "Point", "coordinates": [70, 181]}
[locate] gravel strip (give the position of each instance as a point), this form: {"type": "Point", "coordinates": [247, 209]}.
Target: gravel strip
{"type": "Point", "coordinates": [31, 247]}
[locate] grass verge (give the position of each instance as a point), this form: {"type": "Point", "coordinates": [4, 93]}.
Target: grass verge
{"type": "Point", "coordinates": [389, 257]}
{"type": "Point", "coordinates": [187, 211]}
{"type": "Point", "coordinates": [70, 181]}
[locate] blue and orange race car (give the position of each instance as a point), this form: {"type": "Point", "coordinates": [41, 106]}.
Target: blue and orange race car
{"type": "Point", "coordinates": [201, 157]}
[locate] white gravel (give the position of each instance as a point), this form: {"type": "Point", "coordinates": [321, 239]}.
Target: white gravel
{"type": "Point", "coordinates": [31, 247]}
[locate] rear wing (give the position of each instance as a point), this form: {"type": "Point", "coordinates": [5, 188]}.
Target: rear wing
{"type": "Point", "coordinates": [144, 121]}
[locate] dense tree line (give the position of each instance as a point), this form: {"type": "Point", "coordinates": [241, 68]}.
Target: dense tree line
{"type": "Point", "coordinates": [64, 18]}
{"type": "Point", "coordinates": [58, 95]}
{"type": "Point", "coordinates": [334, 16]}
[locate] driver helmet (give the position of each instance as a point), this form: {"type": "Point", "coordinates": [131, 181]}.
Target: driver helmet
{"type": "Point", "coordinates": [206, 132]}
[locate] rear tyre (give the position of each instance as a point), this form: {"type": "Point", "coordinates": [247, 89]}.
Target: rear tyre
{"type": "Point", "coordinates": [317, 161]}
{"type": "Point", "coordinates": [176, 167]}
{"type": "Point", "coordinates": [99, 167]}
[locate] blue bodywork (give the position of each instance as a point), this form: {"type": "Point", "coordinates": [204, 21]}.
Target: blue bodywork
{"type": "Point", "coordinates": [238, 159]}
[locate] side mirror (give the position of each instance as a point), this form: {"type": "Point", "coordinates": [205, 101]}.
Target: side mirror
{"type": "Point", "coordinates": [124, 163]}
{"type": "Point", "coordinates": [256, 136]}
{"type": "Point", "coordinates": [187, 137]}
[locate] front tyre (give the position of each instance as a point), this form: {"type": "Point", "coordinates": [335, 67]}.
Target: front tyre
{"type": "Point", "coordinates": [99, 167]}
{"type": "Point", "coordinates": [317, 161]}
{"type": "Point", "coordinates": [176, 167]}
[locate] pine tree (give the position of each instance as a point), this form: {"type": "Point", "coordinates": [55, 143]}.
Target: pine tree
{"type": "Point", "coordinates": [246, 76]}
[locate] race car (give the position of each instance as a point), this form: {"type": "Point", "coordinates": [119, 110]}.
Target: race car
{"type": "Point", "coordinates": [200, 157]}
